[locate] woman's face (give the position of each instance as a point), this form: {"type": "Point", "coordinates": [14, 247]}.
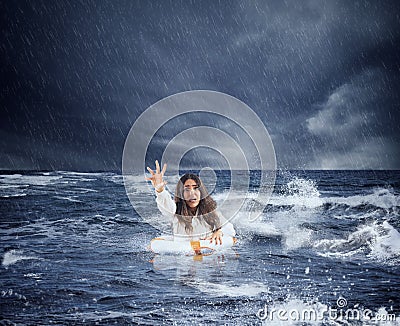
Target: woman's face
{"type": "Point", "coordinates": [191, 193]}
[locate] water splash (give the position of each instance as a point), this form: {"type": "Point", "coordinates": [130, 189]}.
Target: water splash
{"type": "Point", "coordinates": [377, 240]}
{"type": "Point", "coordinates": [13, 256]}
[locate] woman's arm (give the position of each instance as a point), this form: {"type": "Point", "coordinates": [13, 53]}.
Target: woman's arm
{"type": "Point", "coordinates": [165, 203]}
{"type": "Point", "coordinates": [226, 229]}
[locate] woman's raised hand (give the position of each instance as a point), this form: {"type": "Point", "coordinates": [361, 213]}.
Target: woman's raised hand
{"type": "Point", "coordinates": [157, 177]}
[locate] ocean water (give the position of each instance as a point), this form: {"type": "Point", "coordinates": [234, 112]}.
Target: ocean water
{"type": "Point", "coordinates": [74, 251]}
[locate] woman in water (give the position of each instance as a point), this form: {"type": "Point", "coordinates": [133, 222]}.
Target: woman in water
{"type": "Point", "coordinates": [193, 211]}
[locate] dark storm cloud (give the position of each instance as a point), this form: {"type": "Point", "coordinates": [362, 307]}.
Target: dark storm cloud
{"type": "Point", "coordinates": [358, 125]}
{"type": "Point", "coordinates": [322, 75]}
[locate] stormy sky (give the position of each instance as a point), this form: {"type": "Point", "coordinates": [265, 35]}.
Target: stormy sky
{"type": "Point", "coordinates": [323, 76]}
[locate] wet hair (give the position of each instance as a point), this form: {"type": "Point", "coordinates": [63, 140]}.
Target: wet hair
{"type": "Point", "coordinates": [206, 208]}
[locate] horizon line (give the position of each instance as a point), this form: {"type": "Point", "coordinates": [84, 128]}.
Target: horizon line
{"type": "Point", "coordinates": [120, 172]}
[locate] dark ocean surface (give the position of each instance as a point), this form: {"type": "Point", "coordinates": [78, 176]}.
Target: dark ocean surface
{"type": "Point", "coordinates": [74, 251]}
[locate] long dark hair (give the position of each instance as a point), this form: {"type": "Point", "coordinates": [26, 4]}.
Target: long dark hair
{"type": "Point", "coordinates": [206, 208]}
